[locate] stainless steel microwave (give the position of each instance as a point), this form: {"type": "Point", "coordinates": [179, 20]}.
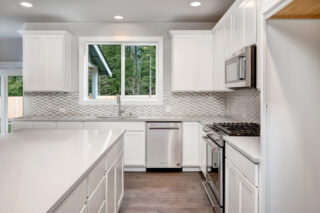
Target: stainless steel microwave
{"type": "Point", "coordinates": [240, 69]}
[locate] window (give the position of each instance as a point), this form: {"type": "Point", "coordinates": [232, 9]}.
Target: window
{"type": "Point", "coordinates": [131, 68]}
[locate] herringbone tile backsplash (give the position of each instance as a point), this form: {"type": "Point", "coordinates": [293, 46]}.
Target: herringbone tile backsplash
{"type": "Point", "coordinates": [67, 104]}
{"type": "Point", "coordinates": [242, 105]}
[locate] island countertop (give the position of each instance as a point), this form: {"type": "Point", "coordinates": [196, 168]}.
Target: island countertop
{"type": "Point", "coordinates": [39, 166]}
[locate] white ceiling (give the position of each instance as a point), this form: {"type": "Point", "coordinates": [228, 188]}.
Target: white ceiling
{"type": "Point", "coordinates": [12, 15]}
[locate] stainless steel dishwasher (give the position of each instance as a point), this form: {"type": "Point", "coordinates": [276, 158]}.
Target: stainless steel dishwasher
{"type": "Point", "coordinates": [164, 146]}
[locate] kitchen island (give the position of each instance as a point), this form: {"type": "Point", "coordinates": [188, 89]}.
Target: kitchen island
{"type": "Point", "coordinates": [52, 170]}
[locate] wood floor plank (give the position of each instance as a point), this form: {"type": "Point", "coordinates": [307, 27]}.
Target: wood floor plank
{"type": "Point", "coordinates": [155, 192]}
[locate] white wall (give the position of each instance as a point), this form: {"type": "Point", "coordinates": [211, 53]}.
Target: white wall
{"type": "Point", "coordinates": [123, 29]}
{"type": "Point", "coordinates": [10, 49]}
{"type": "Point", "coordinates": [293, 117]}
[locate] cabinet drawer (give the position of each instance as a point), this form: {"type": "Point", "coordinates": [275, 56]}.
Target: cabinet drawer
{"type": "Point", "coordinates": [20, 125]}
{"type": "Point", "coordinates": [96, 175]}
{"type": "Point", "coordinates": [75, 201]}
{"type": "Point", "coordinates": [249, 169]}
{"type": "Point", "coordinates": [232, 154]}
{"type": "Point", "coordinates": [69, 125]}
{"type": "Point", "coordinates": [113, 153]}
{"type": "Point", "coordinates": [116, 125]}
{"type": "Point", "coordinates": [44, 125]}
{"type": "Point", "coordinates": [98, 196]}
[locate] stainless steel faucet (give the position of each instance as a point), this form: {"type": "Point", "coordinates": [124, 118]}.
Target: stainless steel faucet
{"type": "Point", "coordinates": [120, 111]}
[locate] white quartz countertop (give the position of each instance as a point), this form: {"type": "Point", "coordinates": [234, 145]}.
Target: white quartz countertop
{"type": "Point", "coordinates": [185, 118]}
{"type": "Point", "coordinates": [39, 166]}
{"type": "Point", "coordinates": [248, 146]}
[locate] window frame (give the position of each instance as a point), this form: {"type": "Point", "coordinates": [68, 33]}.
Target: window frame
{"type": "Point", "coordinates": [7, 69]}
{"type": "Point", "coordinates": [84, 42]}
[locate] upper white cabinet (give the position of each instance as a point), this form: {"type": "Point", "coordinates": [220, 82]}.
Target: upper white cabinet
{"type": "Point", "coordinates": [191, 61]}
{"type": "Point", "coordinates": [239, 26]}
{"type": "Point", "coordinates": [46, 61]}
{"type": "Point", "coordinates": [219, 60]}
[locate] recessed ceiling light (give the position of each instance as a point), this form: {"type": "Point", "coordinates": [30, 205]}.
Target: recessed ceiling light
{"type": "Point", "coordinates": [118, 17]}
{"type": "Point", "coordinates": [26, 4]}
{"type": "Point", "coordinates": [195, 4]}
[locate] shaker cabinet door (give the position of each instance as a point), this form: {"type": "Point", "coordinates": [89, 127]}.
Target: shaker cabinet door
{"type": "Point", "coordinates": [232, 188]}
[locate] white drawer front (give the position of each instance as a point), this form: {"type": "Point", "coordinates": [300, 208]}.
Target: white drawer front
{"type": "Point", "coordinates": [75, 201]}
{"type": "Point", "coordinates": [96, 175]}
{"type": "Point", "coordinates": [44, 125]}
{"type": "Point", "coordinates": [20, 125]}
{"type": "Point", "coordinates": [249, 169]}
{"type": "Point", "coordinates": [231, 154]}
{"type": "Point", "coordinates": [97, 197]}
{"type": "Point", "coordinates": [115, 125]}
{"type": "Point", "coordinates": [69, 125]}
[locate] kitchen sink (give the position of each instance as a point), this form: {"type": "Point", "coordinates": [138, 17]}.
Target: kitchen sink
{"type": "Point", "coordinates": [118, 117]}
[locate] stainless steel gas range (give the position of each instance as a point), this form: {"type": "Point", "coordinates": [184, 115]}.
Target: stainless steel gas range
{"type": "Point", "coordinates": [214, 175]}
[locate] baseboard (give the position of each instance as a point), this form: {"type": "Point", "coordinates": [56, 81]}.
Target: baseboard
{"type": "Point", "coordinates": [190, 169]}
{"type": "Point", "coordinates": [134, 169]}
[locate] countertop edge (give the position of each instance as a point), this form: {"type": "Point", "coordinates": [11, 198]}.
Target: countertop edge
{"type": "Point", "coordinates": [243, 152]}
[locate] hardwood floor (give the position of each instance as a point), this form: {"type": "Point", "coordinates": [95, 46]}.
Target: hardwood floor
{"type": "Point", "coordinates": [181, 192]}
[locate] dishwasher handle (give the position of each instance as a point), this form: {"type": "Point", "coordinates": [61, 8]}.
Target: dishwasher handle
{"type": "Point", "coordinates": [163, 128]}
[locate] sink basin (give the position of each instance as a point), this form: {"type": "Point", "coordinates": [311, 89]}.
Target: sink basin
{"type": "Point", "coordinates": [118, 117]}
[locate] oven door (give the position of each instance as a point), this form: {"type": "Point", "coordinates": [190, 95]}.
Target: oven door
{"type": "Point", "coordinates": [214, 171]}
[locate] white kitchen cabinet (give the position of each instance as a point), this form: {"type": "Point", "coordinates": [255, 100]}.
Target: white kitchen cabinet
{"type": "Point", "coordinates": [202, 151]}
{"type": "Point", "coordinates": [240, 27]}
{"type": "Point", "coordinates": [191, 61]}
{"type": "Point", "coordinates": [44, 125]}
{"type": "Point", "coordinates": [134, 148]}
{"type": "Point", "coordinates": [134, 140]}
{"type": "Point", "coordinates": [110, 190]}
{"type": "Point", "coordinates": [248, 196]}
{"type": "Point", "coordinates": [227, 31]}
{"type": "Point", "coordinates": [190, 137]}
{"type": "Point", "coordinates": [219, 60]}
{"type": "Point", "coordinates": [237, 38]}
{"type": "Point", "coordinates": [231, 188]}
{"type": "Point", "coordinates": [46, 61]}
{"type": "Point", "coordinates": [250, 22]}
{"type": "Point", "coordinates": [69, 125]}
{"type": "Point", "coordinates": [119, 180]}
{"type": "Point", "coordinates": [241, 195]}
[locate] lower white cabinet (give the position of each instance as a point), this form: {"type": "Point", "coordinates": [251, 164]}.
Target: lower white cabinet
{"type": "Point", "coordinates": [119, 180]}
{"type": "Point", "coordinates": [134, 148]}
{"type": "Point", "coordinates": [110, 190]}
{"type": "Point", "coordinates": [115, 186]}
{"type": "Point", "coordinates": [134, 140]}
{"type": "Point", "coordinates": [202, 156]}
{"type": "Point", "coordinates": [241, 195]}
{"type": "Point", "coordinates": [190, 136]}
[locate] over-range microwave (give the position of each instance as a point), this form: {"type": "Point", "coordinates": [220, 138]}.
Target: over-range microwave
{"type": "Point", "coordinates": [240, 69]}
